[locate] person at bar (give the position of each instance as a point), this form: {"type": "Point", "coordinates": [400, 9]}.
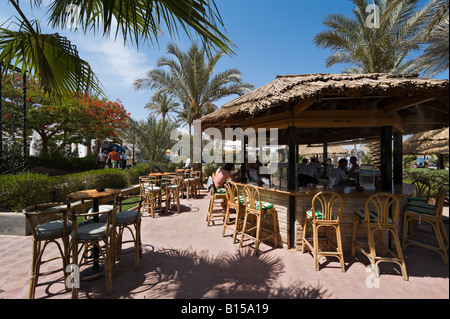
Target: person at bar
{"type": "Point", "coordinates": [222, 175]}
{"type": "Point", "coordinates": [339, 174]}
{"type": "Point", "coordinates": [355, 166]}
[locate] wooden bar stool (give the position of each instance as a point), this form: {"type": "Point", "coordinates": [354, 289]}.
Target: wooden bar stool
{"type": "Point", "coordinates": [215, 210]}
{"type": "Point", "coordinates": [172, 191]}
{"type": "Point", "coordinates": [150, 188]}
{"type": "Point", "coordinates": [189, 184]}
{"type": "Point", "coordinates": [325, 212]}
{"type": "Point", "coordinates": [233, 202]}
{"type": "Point", "coordinates": [380, 214]}
{"type": "Point", "coordinates": [260, 210]}
{"type": "Point", "coordinates": [418, 212]}
{"type": "Point", "coordinates": [49, 224]}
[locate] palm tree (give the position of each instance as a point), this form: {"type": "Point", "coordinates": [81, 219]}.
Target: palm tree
{"type": "Point", "coordinates": [162, 103]}
{"type": "Point", "coordinates": [54, 60]}
{"type": "Point", "coordinates": [373, 50]}
{"type": "Point", "coordinates": [190, 79]}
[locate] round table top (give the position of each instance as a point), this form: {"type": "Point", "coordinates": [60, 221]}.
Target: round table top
{"type": "Point", "coordinates": [94, 194]}
{"type": "Point", "coordinates": [161, 174]}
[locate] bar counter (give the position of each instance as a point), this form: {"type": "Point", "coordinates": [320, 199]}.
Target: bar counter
{"type": "Point", "coordinates": [291, 207]}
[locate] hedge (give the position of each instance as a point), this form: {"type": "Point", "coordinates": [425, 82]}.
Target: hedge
{"type": "Point", "coordinates": [435, 177]}
{"type": "Point", "coordinates": [21, 190]}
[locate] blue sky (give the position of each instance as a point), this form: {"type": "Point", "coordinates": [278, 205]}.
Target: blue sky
{"type": "Point", "coordinates": [272, 38]}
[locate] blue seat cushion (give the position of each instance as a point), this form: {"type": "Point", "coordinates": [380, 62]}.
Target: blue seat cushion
{"type": "Point", "coordinates": [126, 217]}
{"type": "Point", "coordinates": [91, 231]}
{"type": "Point", "coordinates": [52, 228]}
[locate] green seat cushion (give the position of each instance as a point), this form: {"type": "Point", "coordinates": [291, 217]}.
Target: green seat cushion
{"type": "Point", "coordinates": [418, 199]}
{"type": "Point", "coordinates": [126, 217]}
{"type": "Point", "coordinates": [91, 231]}
{"type": "Point", "coordinates": [372, 215]}
{"type": "Point", "coordinates": [52, 228]}
{"type": "Point", "coordinates": [420, 210]}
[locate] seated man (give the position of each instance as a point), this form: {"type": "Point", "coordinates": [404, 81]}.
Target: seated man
{"type": "Point", "coordinates": [221, 177]}
{"type": "Point", "coordinates": [339, 174]}
{"type": "Point", "coordinates": [355, 166]}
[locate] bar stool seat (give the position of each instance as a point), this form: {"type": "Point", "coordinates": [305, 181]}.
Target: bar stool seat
{"type": "Point", "coordinates": [380, 215]}
{"type": "Point", "coordinates": [325, 213]}
{"type": "Point", "coordinates": [253, 208]}
{"type": "Point", "coordinates": [417, 213]}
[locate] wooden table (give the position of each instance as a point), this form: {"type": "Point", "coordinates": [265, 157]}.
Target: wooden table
{"type": "Point", "coordinates": [95, 271]}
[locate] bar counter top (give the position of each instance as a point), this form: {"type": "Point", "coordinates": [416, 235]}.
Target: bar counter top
{"type": "Point", "coordinates": [403, 190]}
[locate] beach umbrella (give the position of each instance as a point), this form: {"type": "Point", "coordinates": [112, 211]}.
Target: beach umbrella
{"type": "Point", "coordinates": [118, 148]}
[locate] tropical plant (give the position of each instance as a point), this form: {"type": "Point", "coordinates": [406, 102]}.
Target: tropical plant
{"type": "Point", "coordinates": [163, 104]}
{"type": "Point", "coordinates": [54, 60]}
{"type": "Point", "coordinates": [154, 137]}
{"type": "Point", "coordinates": [374, 50]}
{"type": "Point", "coordinates": [190, 79]}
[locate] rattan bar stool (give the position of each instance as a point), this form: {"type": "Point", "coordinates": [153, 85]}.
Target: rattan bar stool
{"type": "Point", "coordinates": [49, 224]}
{"type": "Point", "coordinates": [189, 184]}
{"type": "Point", "coordinates": [125, 220]}
{"type": "Point", "coordinates": [233, 202]}
{"type": "Point", "coordinates": [100, 234]}
{"type": "Point", "coordinates": [419, 212]}
{"type": "Point", "coordinates": [260, 210]}
{"type": "Point", "coordinates": [326, 212]}
{"type": "Point", "coordinates": [422, 191]}
{"type": "Point", "coordinates": [215, 210]}
{"type": "Point", "coordinates": [150, 188]}
{"type": "Point", "coordinates": [380, 215]}
{"type": "Point", "coordinates": [172, 191]}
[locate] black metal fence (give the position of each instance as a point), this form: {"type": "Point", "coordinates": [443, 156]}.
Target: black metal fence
{"type": "Point", "coordinates": [13, 120]}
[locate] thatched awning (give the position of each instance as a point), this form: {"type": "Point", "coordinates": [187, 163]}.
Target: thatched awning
{"type": "Point", "coordinates": [328, 107]}
{"type": "Point", "coordinates": [317, 150]}
{"type": "Point", "coordinates": [434, 142]}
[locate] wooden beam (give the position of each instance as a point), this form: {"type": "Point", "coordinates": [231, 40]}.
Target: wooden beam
{"type": "Point", "coordinates": [406, 103]}
{"type": "Point", "coordinates": [303, 105]}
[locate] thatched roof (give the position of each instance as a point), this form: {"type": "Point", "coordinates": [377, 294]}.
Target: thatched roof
{"type": "Point", "coordinates": [317, 150]}
{"type": "Point", "coordinates": [432, 142]}
{"type": "Point", "coordinates": [407, 102]}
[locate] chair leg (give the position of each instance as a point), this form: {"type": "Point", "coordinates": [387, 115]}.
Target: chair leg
{"type": "Point", "coordinates": [440, 240]}
{"type": "Point", "coordinates": [400, 254]}
{"type": "Point", "coordinates": [305, 231]}
{"type": "Point", "coordinates": [243, 230]}
{"type": "Point", "coordinates": [354, 233]}
{"type": "Point", "coordinates": [75, 262]}
{"type": "Point", "coordinates": [316, 246]}
{"type": "Point", "coordinates": [258, 234]}
{"type": "Point", "coordinates": [34, 269]}
{"type": "Point", "coordinates": [339, 247]}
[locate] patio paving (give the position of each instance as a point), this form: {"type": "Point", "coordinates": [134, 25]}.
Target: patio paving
{"type": "Point", "coordinates": [185, 259]}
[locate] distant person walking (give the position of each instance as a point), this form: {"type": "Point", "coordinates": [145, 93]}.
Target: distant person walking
{"type": "Point", "coordinates": [124, 160]}
{"type": "Point", "coordinates": [114, 156]}
{"type": "Point", "coordinates": [101, 159]}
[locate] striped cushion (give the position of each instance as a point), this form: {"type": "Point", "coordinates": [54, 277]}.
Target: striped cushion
{"type": "Point", "coordinates": [420, 210]}
{"type": "Point", "coordinates": [372, 215]}
{"type": "Point", "coordinates": [421, 205]}
{"type": "Point", "coordinates": [418, 199]}
{"type": "Point", "coordinates": [318, 214]}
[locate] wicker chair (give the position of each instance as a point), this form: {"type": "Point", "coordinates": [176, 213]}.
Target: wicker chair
{"type": "Point", "coordinates": [233, 202]}
{"type": "Point", "coordinates": [189, 184]}
{"type": "Point", "coordinates": [126, 219]}
{"type": "Point", "coordinates": [422, 191]}
{"type": "Point", "coordinates": [327, 208]}
{"type": "Point", "coordinates": [99, 236]}
{"type": "Point", "coordinates": [376, 217]}
{"type": "Point", "coordinates": [172, 191]}
{"type": "Point", "coordinates": [418, 212]}
{"type": "Point", "coordinates": [254, 207]}
{"type": "Point", "coordinates": [215, 201]}
{"type": "Point", "coordinates": [150, 190]}
{"type": "Point", "coordinates": [49, 224]}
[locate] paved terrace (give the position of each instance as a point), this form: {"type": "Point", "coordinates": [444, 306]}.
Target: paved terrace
{"type": "Point", "coordinates": [185, 259]}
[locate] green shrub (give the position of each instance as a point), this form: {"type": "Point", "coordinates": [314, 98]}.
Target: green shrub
{"type": "Point", "coordinates": [22, 190]}
{"type": "Point", "coordinates": [435, 177]}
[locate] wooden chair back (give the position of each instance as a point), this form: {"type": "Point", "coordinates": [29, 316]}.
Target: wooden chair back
{"type": "Point", "coordinates": [423, 189]}
{"type": "Point", "coordinates": [232, 194]}
{"type": "Point", "coordinates": [440, 200]}
{"type": "Point", "coordinates": [385, 208]}
{"type": "Point", "coordinates": [252, 199]}
{"type": "Point", "coordinates": [329, 205]}
{"type": "Point", "coordinates": [42, 213]}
